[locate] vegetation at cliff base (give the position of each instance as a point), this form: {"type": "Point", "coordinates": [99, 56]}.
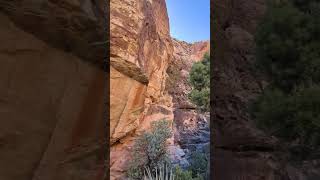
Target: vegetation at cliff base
{"type": "Point", "coordinates": [165, 173]}
{"type": "Point", "coordinates": [150, 149]}
{"type": "Point", "coordinates": [198, 164]}
{"type": "Point", "coordinates": [199, 79]}
{"type": "Point", "coordinates": [150, 158]}
{"type": "Point", "coordinates": [288, 51]}
{"type": "Point", "coordinates": [293, 116]}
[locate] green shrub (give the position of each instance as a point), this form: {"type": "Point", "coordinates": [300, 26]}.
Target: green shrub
{"type": "Point", "coordinates": [199, 76]}
{"type": "Point", "coordinates": [288, 50]}
{"type": "Point", "coordinates": [150, 149]}
{"type": "Point", "coordinates": [199, 79]}
{"type": "Point", "coordinates": [182, 175]}
{"type": "Point", "coordinates": [185, 175]}
{"type": "Point", "coordinates": [200, 98]}
{"type": "Point", "coordinates": [293, 117]}
{"type": "Point", "coordinates": [288, 43]}
{"type": "Point", "coordinates": [198, 164]}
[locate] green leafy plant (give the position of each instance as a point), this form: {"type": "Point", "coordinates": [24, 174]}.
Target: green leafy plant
{"type": "Point", "coordinates": [292, 117]}
{"type": "Point", "coordinates": [198, 164]}
{"type": "Point", "coordinates": [150, 149]}
{"type": "Point", "coordinates": [182, 175]}
{"type": "Point", "coordinates": [185, 175]}
{"type": "Point", "coordinates": [288, 43]}
{"type": "Point", "coordinates": [200, 98]}
{"type": "Point", "coordinates": [288, 51]}
{"type": "Point", "coordinates": [199, 79]}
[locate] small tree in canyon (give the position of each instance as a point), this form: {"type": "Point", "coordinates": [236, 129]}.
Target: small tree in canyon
{"type": "Point", "coordinates": [199, 79]}
{"type": "Point", "coordinates": [150, 150]}
{"type": "Point", "coordinates": [288, 51]}
{"type": "Point", "coordinates": [288, 43]}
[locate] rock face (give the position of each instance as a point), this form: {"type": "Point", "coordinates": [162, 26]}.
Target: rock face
{"type": "Point", "coordinates": [198, 49]}
{"type": "Point", "coordinates": [240, 150]}
{"type": "Point", "coordinates": [52, 90]}
{"type": "Point", "coordinates": [76, 26]}
{"type": "Point", "coordinates": [141, 49]}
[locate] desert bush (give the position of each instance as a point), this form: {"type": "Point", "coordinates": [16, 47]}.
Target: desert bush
{"type": "Point", "coordinates": [198, 164]}
{"type": "Point", "coordinates": [288, 43]}
{"type": "Point", "coordinates": [150, 150]}
{"type": "Point", "coordinates": [293, 117]}
{"type": "Point", "coordinates": [199, 79]}
{"type": "Point", "coordinates": [200, 98]}
{"type": "Point", "coordinates": [288, 51]}
{"type": "Point", "coordinates": [199, 76]}
{"type": "Point", "coordinates": [182, 174]}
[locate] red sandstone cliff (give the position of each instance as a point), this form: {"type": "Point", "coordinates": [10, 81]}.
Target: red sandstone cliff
{"type": "Point", "coordinates": [141, 50]}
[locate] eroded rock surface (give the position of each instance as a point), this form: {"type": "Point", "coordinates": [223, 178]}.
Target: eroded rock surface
{"type": "Point", "coordinates": [76, 26]}
{"type": "Point", "coordinates": [52, 90]}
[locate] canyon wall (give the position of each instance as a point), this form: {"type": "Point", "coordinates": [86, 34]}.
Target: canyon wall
{"type": "Point", "coordinates": [141, 50]}
{"type": "Point", "coordinates": [141, 53]}
{"type": "Point", "coordinates": [52, 90]}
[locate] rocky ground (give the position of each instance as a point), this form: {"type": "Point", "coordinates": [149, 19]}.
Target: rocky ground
{"type": "Point", "coordinates": [191, 134]}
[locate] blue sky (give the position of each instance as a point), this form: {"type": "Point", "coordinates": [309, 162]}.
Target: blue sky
{"type": "Point", "coordinates": [189, 19]}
